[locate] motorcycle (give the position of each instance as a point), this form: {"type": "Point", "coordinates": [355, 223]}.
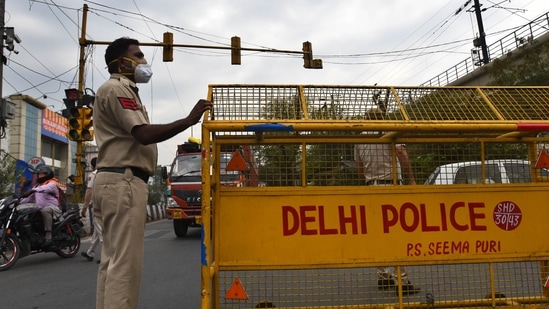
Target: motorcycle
{"type": "Point", "coordinates": [22, 232]}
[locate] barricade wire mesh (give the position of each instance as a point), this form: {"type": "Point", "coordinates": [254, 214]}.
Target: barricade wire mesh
{"type": "Point", "coordinates": [325, 164]}
{"type": "Point", "coordinates": [448, 285]}
{"type": "Point", "coordinates": [279, 102]}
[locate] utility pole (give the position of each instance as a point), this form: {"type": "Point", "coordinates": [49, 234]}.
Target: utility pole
{"type": "Point", "coordinates": [481, 41]}
{"type": "Point", "coordinates": [79, 155]}
{"type": "Point", "coordinates": [2, 12]}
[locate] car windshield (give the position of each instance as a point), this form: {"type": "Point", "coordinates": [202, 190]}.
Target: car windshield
{"type": "Point", "coordinates": [472, 174]}
{"type": "Point", "coordinates": [433, 176]}
{"type": "Point", "coordinates": [520, 173]}
{"type": "Point", "coordinates": [187, 168]}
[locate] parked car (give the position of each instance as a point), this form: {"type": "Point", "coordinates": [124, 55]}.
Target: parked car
{"type": "Point", "coordinates": [496, 171]}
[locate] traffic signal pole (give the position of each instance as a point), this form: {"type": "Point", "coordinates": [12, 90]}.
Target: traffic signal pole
{"type": "Point", "coordinates": [168, 46]}
{"type": "Point", "coordinates": [79, 155]}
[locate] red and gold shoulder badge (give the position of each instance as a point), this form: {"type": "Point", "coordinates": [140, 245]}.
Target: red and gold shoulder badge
{"type": "Point", "coordinates": [128, 103]}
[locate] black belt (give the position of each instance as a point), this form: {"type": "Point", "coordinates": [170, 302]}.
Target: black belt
{"type": "Point", "coordinates": [380, 182]}
{"type": "Point", "coordinates": [139, 173]}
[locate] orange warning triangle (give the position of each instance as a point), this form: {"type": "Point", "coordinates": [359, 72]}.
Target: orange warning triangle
{"type": "Point", "coordinates": [237, 163]}
{"type": "Point", "coordinates": [236, 291]}
{"type": "Point", "coordinates": [543, 159]}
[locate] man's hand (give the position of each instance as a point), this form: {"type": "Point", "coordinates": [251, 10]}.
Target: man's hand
{"type": "Point", "coordinates": [84, 211]}
{"type": "Point", "coordinates": [155, 133]}
{"type": "Point", "coordinates": [198, 110]}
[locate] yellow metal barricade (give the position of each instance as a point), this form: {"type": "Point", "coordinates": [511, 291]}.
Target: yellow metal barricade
{"type": "Point", "coordinates": [309, 228]}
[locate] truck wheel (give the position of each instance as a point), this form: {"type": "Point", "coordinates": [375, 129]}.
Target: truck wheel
{"type": "Point", "coordinates": [180, 228]}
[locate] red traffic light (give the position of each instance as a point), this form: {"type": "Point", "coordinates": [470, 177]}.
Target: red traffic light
{"type": "Point", "coordinates": [72, 94]}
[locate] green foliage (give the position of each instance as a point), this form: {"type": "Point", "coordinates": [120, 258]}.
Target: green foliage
{"type": "Point", "coordinates": [331, 165]}
{"type": "Point", "coordinates": [7, 174]}
{"type": "Point", "coordinates": [157, 190]}
{"type": "Point", "coordinates": [530, 67]}
{"type": "Point", "coordinates": [279, 164]}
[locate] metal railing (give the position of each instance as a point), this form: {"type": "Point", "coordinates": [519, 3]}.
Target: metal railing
{"type": "Point", "coordinates": [523, 35]}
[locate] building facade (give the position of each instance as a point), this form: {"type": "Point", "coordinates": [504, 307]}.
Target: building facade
{"type": "Point", "coordinates": [37, 135]}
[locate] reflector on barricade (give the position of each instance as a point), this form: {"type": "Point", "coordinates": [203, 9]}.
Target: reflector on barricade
{"type": "Point", "coordinates": [237, 163]}
{"type": "Point", "coordinates": [236, 291]}
{"type": "Point", "coordinates": [543, 159]}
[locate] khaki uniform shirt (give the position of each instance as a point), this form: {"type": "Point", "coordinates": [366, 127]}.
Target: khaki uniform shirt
{"type": "Point", "coordinates": [117, 110]}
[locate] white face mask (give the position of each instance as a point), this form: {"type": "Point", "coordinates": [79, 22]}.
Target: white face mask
{"type": "Point", "coordinates": [142, 73]}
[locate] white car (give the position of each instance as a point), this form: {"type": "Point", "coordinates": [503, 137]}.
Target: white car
{"type": "Point", "coordinates": [496, 171]}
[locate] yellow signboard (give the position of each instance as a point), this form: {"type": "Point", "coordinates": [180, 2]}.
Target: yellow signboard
{"type": "Point", "coordinates": [381, 225]}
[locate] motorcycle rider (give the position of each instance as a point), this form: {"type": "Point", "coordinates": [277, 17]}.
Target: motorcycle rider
{"type": "Point", "coordinates": [45, 196]}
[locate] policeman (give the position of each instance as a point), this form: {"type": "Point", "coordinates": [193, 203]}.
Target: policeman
{"type": "Point", "coordinates": [127, 157]}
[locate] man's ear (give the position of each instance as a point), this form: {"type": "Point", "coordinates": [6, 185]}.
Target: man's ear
{"type": "Point", "coordinates": [121, 64]}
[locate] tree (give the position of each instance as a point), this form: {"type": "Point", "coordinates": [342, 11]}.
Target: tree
{"type": "Point", "coordinates": [530, 67]}
{"type": "Point", "coordinates": [7, 173]}
{"type": "Point", "coordinates": [157, 190]}
{"type": "Point", "coordinates": [279, 164]}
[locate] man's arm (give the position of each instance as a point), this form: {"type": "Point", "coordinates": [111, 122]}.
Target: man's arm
{"type": "Point", "coordinates": [155, 133]}
{"type": "Point", "coordinates": [405, 164]}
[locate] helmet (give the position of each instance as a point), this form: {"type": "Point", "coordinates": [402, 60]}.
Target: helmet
{"type": "Point", "coordinates": [43, 170]}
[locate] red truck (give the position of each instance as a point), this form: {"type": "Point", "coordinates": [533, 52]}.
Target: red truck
{"type": "Point", "coordinates": [185, 182]}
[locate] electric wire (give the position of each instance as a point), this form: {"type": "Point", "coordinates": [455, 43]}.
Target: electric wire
{"type": "Point", "coordinates": [402, 42]}
{"type": "Point", "coordinates": [426, 40]}
{"type": "Point", "coordinates": [59, 20]}
{"type": "Point", "coordinates": [401, 55]}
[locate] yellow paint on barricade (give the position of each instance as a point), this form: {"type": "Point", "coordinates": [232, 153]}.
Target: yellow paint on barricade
{"type": "Point", "coordinates": [344, 225]}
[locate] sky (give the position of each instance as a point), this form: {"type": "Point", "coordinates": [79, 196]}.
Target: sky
{"type": "Point", "coordinates": [361, 42]}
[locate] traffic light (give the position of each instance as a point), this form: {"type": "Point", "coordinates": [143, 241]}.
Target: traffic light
{"type": "Point", "coordinates": [74, 124]}
{"type": "Point", "coordinates": [72, 97]}
{"type": "Point", "coordinates": [308, 61]}
{"type": "Point", "coordinates": [167, 50]}
{"type": "Point", "coordinates": [80, 124]}
{"type": "Point", "coordinates": [87, 124]}
{"type": "Point", "coordinates": [235, 50]}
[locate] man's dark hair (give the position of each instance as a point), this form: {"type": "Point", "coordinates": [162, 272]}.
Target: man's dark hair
{"type": "Point", "coordinates": [93, 162]}
{"type": "Point", "coordinates": [117, 49]}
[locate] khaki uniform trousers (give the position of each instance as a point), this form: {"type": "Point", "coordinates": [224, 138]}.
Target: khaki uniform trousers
{"type": "Point", "coordinates": [120, 202]}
